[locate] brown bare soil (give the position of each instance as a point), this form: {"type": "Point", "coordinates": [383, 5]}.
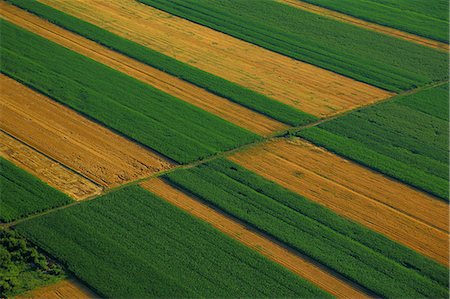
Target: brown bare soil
{"type": "Point", "coordinates": [46, 169]}
{"type": "Point", "coordinates": [368, 25]}
{"type": "Point", "coordinates": [302, 266]}
{"type": "Point", "coordinates": [65, 289]}
{"type": "Point", "coordinates": [76, 142]}
{"type": "Point", "coordinates": [403, 214]}
{"type": "Point", "coordinates": [304, 86]}
{"type": "Point", "coordinates": [190, 93]}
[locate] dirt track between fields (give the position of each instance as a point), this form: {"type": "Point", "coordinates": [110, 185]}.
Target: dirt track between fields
{"type": "Point", "coordinates": [302, 266]}
{"type": "Point", "coordinates": [76, 142]}
{"type": "Point", "coordinates": [65, 289]}
{"type": "Point", "coordinates": [46, 169]}
{"type": "Point", "coordinates": [304, 86]}
{"type": "Point", "coordinates": [190, 93]}
{"type": "Point", "coordinates": [367, 25]}
{"type": "Point", "coordinates": [403, 214]}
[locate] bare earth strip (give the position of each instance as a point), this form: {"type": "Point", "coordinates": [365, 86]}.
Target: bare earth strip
{"type": "Point", "coordinates": [78, 143]}
{"type": "Point", "coordinates": [46, 169]}
{"type": "Point", "coordinates": [183, 90]}
{"type": "Point", "coordinates": [368, 25]}
{"type": "Point", "coordinates": [292, 261]}
{"type": "Point", "coordinates": [403, 214]}
{"type": "Point", "coordinates": [301, 85]}
{"type": "Point", "coordinates": [68, 288]}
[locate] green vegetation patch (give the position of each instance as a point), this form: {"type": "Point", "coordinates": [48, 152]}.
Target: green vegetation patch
{"type": "Point", "coordinates": [151, 117]}
{"type": "Point", "coordinates": [367, 258]}
{"type": "Point", "coordinates": [23, 267]}
{"type": "Point", "coordinates": [22, 194]}
{"type": "Point", "coordinates": [211, 83]}
{"type": "Point", "coordinates": [422, 17]}
{"type": "Point", "coordinates": [132, 244]}
{"type": "Point", "coordinates": [364, 55]}
{"type": "Point", "coordinates": [406, 138]}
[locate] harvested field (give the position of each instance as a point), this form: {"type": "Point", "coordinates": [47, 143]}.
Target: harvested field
{"type": "Point", "coordinates": [183, 90]}
{"type": "Point", "coordinates": [68, 288]}
{"type": "Point", "coordinates": [67, 137]}
{"type": "Point", "coordinates": [49, 171]}
{"type": "Point", "coordinates": [368, 25]}
{"type": "Point", "coordinates": [302, 266]}
{"type": "Point", "coordinates": [306, 87]}
{"type": "Point", "coordinates": [401, 213]}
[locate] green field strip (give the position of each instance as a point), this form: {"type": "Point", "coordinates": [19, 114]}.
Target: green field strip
{"type": "Point", "coordinates": [405, 138]}
{"type": "Point", "coordinates": [214, 84]}
{"type": "Point", "coordinates": [131, 243]}
{"type": "Point", "coordinates": [365, 257]}
{"type": "Point", "coordinates": [22, 194]}
{"type": "Point", "coordinates": [361, 54]}
{"type": "Point", "coordinates": [170, 126]}
{"type": "Point", "coordinates": [418, 17]}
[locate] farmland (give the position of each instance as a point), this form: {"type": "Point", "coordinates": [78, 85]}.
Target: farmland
{"type": "Point", "coordinates": [216, 85]}
{"type": "Point", "coordinates": [312, 230]}
{"type": "Point", "coordinates": [418, 17]}
{"type": "Point", "coordinates": [406, 138]}
{"type": "Point", "coordinates": [54, 174]}
{"type": "Point", "coordinates": [300, 85]}
{"type": "Point", "coordinates": [296, 263]}
{"type": "Point", "coordinates": [90, 149]}
{"type": "Point", "coordinates": [224, 149]}
{"type": "Point", "coordinates": [152, 124]}
{"type": "Point", "coordinates": [172, 85]}
{"type": "Point", "coordinates": [393, 65]}
{"type": "Point", "coordinates": [403, 214]}
{"type": "Point", "coordinates": [23, 194]}
{"type": "Point", "coordinates": [136, 263]}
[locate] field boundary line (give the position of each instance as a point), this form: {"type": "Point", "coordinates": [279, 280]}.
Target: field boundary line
{"type": "Point", "coordinates": [345, 18]}
{"type": "Point", "coordinates": [54, 160]}
{"type": "Point", "coordinates": [277, 135]}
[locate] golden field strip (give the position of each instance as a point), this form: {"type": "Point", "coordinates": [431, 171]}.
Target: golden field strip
{"type": "Point", "coordinates": [403, 214]}
{"type": "Point", "coordinates": [302, 266]}
{"type": "Point", "coordinates": [68, 288]}
{"type": "Point", "coordinates": [74, 141]}
{"type": "Point", "coordinates": [183, 90]}
{"type": "Point", "coordinates": [301, 85]}
{"type": "Point", "coordinates": [367, 25]}
{"type": "Point", "coordinates": [49, 171]}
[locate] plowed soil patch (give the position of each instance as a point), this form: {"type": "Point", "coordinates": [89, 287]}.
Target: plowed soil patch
{"type": "Point", "coordinates": [64, 289]}
{"type": "Point", "coordinates": [368, 25]}
{"type": "Point", "coordinates": [67, 137]}
{"type": "Point", "coordinates": [304, 86]}
{"type": "Point", "coordinates": [46, 169]}
{"type": "Point", "coordinates": [190, 93]}
{"type": "Point", "coordinates": [300, 265]}
{"type": "Point", "coordinates": [386, 206]}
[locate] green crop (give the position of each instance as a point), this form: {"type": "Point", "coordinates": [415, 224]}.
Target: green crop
{"type": "Point", "coordinates": [132, 244]}
{"type": "Point", "coordinates": [421, 17]}
{"type": "Point", "coordinates": [22, 194]}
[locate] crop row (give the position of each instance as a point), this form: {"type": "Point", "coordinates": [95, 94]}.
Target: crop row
{"type": "Point", "coordinates": [132, 244]}
{"type": "Point", "coordinates": [406, 138]}
{"type": "Point", "coordinates": [364, 55]}
{"type": "Point", "coordinates": [207, 81]}
{"type": "Point", "coordinates": [380, 265]}
{"type": "Point", "coordinates": [162, 122]}
{"type": "Point", "coordinates": [418, 17]}
{"type": "Point", "coordinates": [22, 194]}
